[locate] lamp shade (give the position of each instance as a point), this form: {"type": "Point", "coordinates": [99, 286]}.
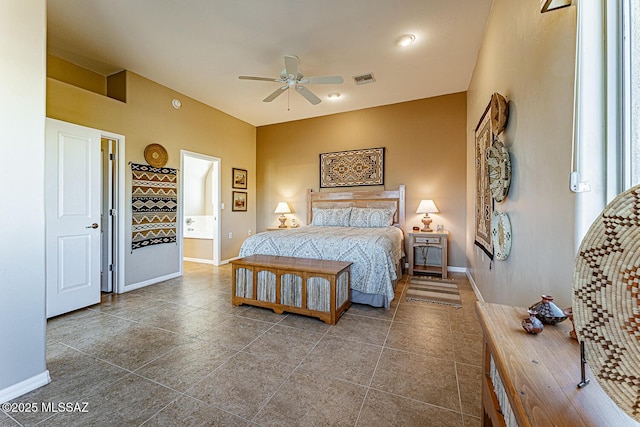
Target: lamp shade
{"type": "Point", "coordinates": [427, 206]}
{"type": "Point", "coordinates": [282, 208]}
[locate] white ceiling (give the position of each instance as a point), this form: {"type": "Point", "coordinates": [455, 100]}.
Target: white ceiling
{"type": "Point", "coordinates": [200, 47]}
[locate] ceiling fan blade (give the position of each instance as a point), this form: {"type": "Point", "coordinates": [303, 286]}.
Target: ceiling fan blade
{"type": "Point", "coordinates": [291, 65]}
{"type": "Point", "coordinates": [262, 79]}
{"type": "Point", "coordinates": [276, 93]}
{"type": "Point", "coordinates": [323, 80]}
{"type": "Point", "coordinates": [308, 95]}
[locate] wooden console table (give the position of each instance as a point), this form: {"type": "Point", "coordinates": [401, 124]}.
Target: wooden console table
{"type": "Point", "coordinates": [531, 380]}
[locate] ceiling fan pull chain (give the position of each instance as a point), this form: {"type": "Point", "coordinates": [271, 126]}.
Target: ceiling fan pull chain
{"type": "Point", "coordinates": [288, 100]}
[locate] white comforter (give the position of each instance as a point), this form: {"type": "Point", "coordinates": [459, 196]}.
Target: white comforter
{"type": "Point", "coordinates": [374, 252]}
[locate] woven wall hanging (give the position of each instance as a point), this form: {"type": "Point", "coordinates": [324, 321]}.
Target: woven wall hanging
{"type": "Point", "coordinates": [606, 287]}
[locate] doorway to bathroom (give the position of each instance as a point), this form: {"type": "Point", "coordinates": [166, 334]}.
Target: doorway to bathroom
{"type": "Point", "coordinates": [200, 193]}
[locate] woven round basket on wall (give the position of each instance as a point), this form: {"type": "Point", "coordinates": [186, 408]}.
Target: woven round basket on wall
{"type": "Point", "coordinates": [499, 113]}
{"type": "Point", "coordinates": [156, 155]}
{"type": "Point", "coordinates": [606, 286]}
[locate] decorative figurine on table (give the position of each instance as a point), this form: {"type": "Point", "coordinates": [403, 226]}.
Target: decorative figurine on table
{"type": "Point", "coordinates": [569, 313]}
{"type": "Point", "coordinates": [532, 324]}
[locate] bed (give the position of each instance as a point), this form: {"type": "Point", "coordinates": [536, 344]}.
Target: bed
{"type": "Point", "coordinates": [363, 227]}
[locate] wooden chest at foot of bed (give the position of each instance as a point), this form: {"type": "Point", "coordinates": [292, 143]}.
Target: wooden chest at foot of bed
{"type": "Point", "coordinates": [312, 287]}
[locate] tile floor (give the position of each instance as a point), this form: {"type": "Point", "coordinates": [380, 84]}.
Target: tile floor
{"type": "Point", "coordinates": [178, 353]}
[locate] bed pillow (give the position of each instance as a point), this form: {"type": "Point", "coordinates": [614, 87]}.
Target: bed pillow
{"type": "Point", "coordinates": [331, 217]}
{"type": "Point", "coordinates": [371, 217]}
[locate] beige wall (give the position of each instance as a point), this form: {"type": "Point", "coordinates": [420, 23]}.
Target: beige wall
{"type": "Point", "coordinates": [425, 150]}
{"type": "Point", "coordinates": [22, 259]}
{"type": "Point", "coordinates": [528, 57]}
{"type": "Point", "coordinates": [148, 117]}
{"type": "Point", "coordinates": [67, 72]}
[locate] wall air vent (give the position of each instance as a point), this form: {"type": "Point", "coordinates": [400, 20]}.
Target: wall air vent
{"type": "Point", "coordinates": [364, 79]}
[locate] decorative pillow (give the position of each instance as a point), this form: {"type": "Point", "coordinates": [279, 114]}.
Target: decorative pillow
{"type": "Point", "coordinates": [371, 217]}
{"type": "Point", "coordinates": [331, 217]}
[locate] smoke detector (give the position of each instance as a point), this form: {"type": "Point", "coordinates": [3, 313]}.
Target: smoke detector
{"type": "Point", "coordinates": [364, 79]}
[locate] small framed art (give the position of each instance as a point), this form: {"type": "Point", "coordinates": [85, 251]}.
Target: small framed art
{"type": "Point", "coordinates": [239, 201]}
{"type": "Point", "coordinates": [239, 178]}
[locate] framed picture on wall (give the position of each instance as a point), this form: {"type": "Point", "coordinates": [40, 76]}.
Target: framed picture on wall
{"type": "Point", "coordinates": [239, 201]}
{"type": "Point", "coordinates": [239, 178]}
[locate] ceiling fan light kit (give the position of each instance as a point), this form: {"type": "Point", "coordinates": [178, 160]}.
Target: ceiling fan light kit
{"type": "Point", "coordinates": [293, 78]}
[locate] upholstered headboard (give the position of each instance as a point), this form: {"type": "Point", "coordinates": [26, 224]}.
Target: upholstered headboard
{"type": "Point", "coordinates": [361, 199]}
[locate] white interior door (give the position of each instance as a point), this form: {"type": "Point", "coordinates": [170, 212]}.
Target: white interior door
{"type": "Point", "coordinates": [72, 202]}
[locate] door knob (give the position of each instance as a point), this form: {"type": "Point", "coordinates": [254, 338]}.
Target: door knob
{"type": "Point", "coordinates": [94, 225]}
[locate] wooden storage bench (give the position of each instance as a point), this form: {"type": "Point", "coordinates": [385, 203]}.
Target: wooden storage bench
{"type": "Point", "coordinates": [276, 282]}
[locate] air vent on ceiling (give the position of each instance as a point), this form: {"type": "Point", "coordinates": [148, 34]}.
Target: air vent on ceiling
{"type": "Point", "coordinates": [364, 79]}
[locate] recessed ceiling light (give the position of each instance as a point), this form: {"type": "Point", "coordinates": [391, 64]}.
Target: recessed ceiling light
{"type": "Point", "coordinates": [333, 96]}
{"type": "Point", "coordinates": [406, 40]}
{"type": "Point", "coordinates": [176, 104]}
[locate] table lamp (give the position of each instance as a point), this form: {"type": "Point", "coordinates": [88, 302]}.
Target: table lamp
{"type": "Point", "coordinates": [426, 207]}
{"type": "Point", "coordinates": [283, 208]}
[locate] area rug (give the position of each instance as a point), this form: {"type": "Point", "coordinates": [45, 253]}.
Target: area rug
{"type": "Point", "coordinates": [424, 289]}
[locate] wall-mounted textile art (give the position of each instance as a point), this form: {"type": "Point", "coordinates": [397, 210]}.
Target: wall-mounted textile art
{"type": "Point", "coordinates": [484, 200]}
{"type": "Point", "coordinates": [352, 168]}
{"type": "Point", "coordinates": [154, 201]}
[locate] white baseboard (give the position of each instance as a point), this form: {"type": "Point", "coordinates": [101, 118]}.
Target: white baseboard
{"type": "Point", "coordinates": [475, 287]}
{"type": "Point", "coordinates": [449, 268]}
{"type": "Point", "coordinates": [25, 386]}
{"type": "Point", "coordinates": [199, 260]}
{"type": "Point", "coordinates": [134, 286]}
{"type": "Point", "coordinates": [228, 260]}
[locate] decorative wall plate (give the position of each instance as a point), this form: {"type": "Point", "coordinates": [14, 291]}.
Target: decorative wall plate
{"type": "Point", "coordinates": [156, 155]}
{"type": "Point", "coordinates": [501, 235]}
{"type": "Point", "coordinates": [499, 169]}
{"type": "Point", "coordinates": [606, 294]}
{"type": "Point", "coordinates": [499, 113]}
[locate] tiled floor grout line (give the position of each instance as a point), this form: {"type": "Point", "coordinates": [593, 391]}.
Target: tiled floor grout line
{"type": "Point", "coordinates": [375, 368]}
{"type": "Point", "coordinates": [186, 394]}
{"type": "Point", "coordinates": [294, 370]}
{"type": "Point", "coordinates": [181, 393]}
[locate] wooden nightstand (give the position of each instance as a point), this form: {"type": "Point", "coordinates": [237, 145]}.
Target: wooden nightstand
{"type": "Point", "coordinates": [423, 242]}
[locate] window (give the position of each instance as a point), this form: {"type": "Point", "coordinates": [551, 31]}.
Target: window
{"type": "Point", "coordinates": [631, 84]}
{"type": "Point", "coordinates": [606, 156]}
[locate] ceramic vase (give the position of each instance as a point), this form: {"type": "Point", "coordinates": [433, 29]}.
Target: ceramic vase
{"type": "Point", "coordinates": [547, 311]}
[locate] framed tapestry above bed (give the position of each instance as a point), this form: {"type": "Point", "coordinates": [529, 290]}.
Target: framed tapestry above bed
{"type": "Point", "coordinates": [352, 168]}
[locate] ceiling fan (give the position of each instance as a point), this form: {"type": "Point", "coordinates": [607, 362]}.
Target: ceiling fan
{"type": "Point", "coordinates": [293, 78]}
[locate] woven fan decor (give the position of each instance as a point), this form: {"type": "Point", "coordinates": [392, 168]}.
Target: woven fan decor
{"type": "Point", "coordinates": [156, 155]}
{"type": "Point", "coordinates": [606, 284]}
